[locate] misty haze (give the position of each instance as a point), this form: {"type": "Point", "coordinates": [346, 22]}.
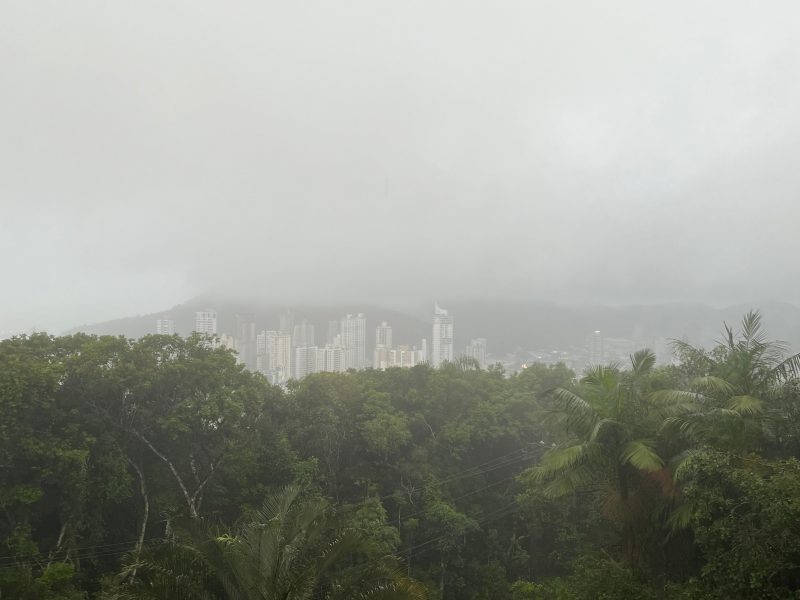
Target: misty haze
{"type": "Point", "coordinates": [444, 300]}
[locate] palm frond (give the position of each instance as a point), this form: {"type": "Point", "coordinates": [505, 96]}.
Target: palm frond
{"type": "Point", "coordinates": [571, 481]}
{"type": "Point", "coordinates": [679, 463]}
{"type": "Point", "coordinates": [578, 414]}
{"type": "Point", "coordinates": [753, 334]}
{"type": "Point", "coordinates": [669, 403]}
{"type": "Point", "coordinates": [559, 460]}
{"type": "Point", "coordinates": [713, 384]}
{"type": "Point", "coordinates": [642, 362]}
{"type": "Point", "coordinates": [680, 517]}
{"type": "Point", "coordinates": [641, 455]}
{"type": "Point", "coordinates": [601, 377]}
{"type": "Point", "coordinates": [746, 405]}
{"type": "Point", "coordinates": [786, 370]}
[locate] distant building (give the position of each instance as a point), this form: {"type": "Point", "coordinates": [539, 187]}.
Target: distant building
{"type": "Point", "coordinates": [383, 335]}
{"type": "Point", "coordinates": [354, 340]}
{"type": "Point", "coordinates": [381, 357]}
{"type": "Point", "coordinates": [404, 356]}
{"type": "Point", "coordinates": [274, 356]}
{"type": "Point", "coordinates": [442, 345]}
{"type": "Point", "coordinates": [246, 340]}
{"type": "Point", "coordinates": [165, 327]}
{"type": "Point", "coordinates": [596, 350]}
{"type": "Point", "coordinates": [383, 346]}
{"type": "Point", "coordinates": [331, 359]}
{"type": "Point", "coordinates": [303, 334]}
{"type": "Point", "coordinates": [205, 321]}
{"type": "Point", "coordinates": [477, 350]}
{"type": "Point", "coordinates": [305, 361]}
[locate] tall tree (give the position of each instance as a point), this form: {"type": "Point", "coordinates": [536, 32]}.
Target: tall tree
{"type": "Point", "coordinates": [736, 401]}
{"type": "Point", "coordinates": [609, 443]}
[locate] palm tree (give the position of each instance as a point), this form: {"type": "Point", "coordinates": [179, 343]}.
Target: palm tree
{"type": "Point", "coordinates": [290, 549]}
{"type": "Point", "coordinates": [605, 448]}
{"type": "Point", "coordinates": [735, 404]}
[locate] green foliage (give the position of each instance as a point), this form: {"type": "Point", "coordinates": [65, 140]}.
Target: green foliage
{"type": "Point", "coordinates": [140, 468]}
{"type": "Point", "coordinates": [745, 518]}
{"type": "Point", "coordinates": [290, 549]}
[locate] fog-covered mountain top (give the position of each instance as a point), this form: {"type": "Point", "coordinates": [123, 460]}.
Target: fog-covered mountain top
{"type": "Point", "coordinates": [508, 326]}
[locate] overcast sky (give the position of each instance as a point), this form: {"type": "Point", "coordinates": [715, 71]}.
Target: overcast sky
{"type": "Point", "coordinates": [614, 152]}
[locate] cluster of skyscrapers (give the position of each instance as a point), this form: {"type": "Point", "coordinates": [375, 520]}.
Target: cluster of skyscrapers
{"type": "Point", "coordinates": [292, 350]}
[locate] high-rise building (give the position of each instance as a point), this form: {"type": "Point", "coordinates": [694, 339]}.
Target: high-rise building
{"type": "Point", "coordinates": [165, 327]}
{"type": "Point", "coordinates": [442, 346]}
{"type": "Point", "coordinates": [383, 346]}
{"type": "Point", "coordinates": [305, 361]}
{"type": "Point", "coordinates": [403, 356]}
{"type": "Point", "coordinates": [354, 340]}
{"type": "Point", "coordinates": [381, 357]}
{"type": "Point", "coordinates": [246, 339]}
{"type": "Point", "coordinates": [274, 355]}
{"type": "Point", "coordinates": [205, 321]}
{"type": "Point", "coordinates": [477, 350]}
{"type": "Point", "coordinates": [303, 334]}
{"type": "Point", "coordinates": [331, 359]}
{"type": "Point", "coordinates": [596, 353]}
{"type": "Point", "coordinates": [383, 335]}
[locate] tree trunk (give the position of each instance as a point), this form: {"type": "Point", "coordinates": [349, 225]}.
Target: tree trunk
{"type": "Point", "coordinates": [145, 508]}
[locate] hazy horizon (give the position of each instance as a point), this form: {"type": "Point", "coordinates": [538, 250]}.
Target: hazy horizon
{"type": "Point", "coordinates": [368, 152]}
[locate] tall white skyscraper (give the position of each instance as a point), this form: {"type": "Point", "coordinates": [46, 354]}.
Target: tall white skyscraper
{"type": "Point", "coordinates": [383, 335]}
{"type": "Point", "coordinates": [477, 350]}
{"type": "Point", "coordinates": [305, 361]}
{"type": "Point", "coordinates": [165, 326]}
{"type": "Point", "coordinates": [354, 340]}
{"type": "Point", "coordinates": [274, 350]}
{"type": "Point", "coordinates": [442, 344]}
{"type": "Point", "coordinates": [383, 346]}
{"type": "Point", "coordinates": [596, 350]}
{"type": "Point", "coordinates": [205, 321]}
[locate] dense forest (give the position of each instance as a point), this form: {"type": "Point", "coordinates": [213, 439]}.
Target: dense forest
{"type": "Point", "coordinates": [161, 468]}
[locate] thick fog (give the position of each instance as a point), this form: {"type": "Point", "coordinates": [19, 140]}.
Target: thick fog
{"type": "Point", "coordinates": [613, 152]}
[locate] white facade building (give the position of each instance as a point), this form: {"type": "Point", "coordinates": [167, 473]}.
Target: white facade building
{"type": "Point", "coordinates": [165, 327]}
{"type": "Point", "coordinates": [477, 350]}
{"type": "Point", "coordinates": [205, 321]}
{"type": "Point", "coordinates": [354, 340]}
{"type": "Point", "coordinates": [383, 346]}
{"type": "Point", "coordinates": [274, 355]}
{"type": "Point", "coordinates": [331, 359]}
{"type": "Point", "coordinates": [305, 361]}
{"type": "Point", "coordinates": [442, 344]}
{"type": "Point", "coordinates": [596, 350]}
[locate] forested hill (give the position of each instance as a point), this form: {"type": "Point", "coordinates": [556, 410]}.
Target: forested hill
{"type": "Point", "coordinates": [507, 326]}
{"type": "Point", "coordinates": [161, 469]}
